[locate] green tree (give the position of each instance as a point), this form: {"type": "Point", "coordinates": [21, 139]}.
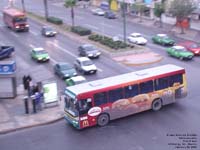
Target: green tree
{"type": "Point", "coordinates": [139, 7]}
{"type": "Point", "coordinates": [159, 9]}
{"type": "Point", "coordinates": [181, 9]}
{"type": "Point", "coordinates": [71, 4]}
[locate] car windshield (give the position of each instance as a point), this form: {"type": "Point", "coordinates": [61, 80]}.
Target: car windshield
{"type": "Point", "coordinates": [181, 50]}
{"type": "Point", "coordinates": [48, 29]}
{"type": "Point", "coordinates": [65, 67]}
{"type": "Point", "coordinates": [194, 46]}
{"type": "Point", "coordinates": [164, 37]}
{"type": "Point", "coordinates": [136, 35]}
{"type": "Point", "coordinates": [87, 63]}
{"type": "Point", "coordinates": [89, 48]}
{"type": "Point", "coordinates": [80, 81]}
{"type": "Point", "coordinates": [41, 52]}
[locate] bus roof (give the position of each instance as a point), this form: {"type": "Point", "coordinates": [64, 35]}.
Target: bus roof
{"type": "Point", "coordinates": [122, 79]}
{"type": "Point", "coordinates": [13, 12]}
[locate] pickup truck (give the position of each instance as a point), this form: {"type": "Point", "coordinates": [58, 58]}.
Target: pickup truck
{"type": "Point", "coordinates": [6, 51]}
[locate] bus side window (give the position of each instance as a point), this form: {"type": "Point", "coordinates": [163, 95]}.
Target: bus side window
{"type": "Point", "coordinates": [115, 94]}
{"type": "Point", "coordinates": [100, 98]}
{"type": "Point", "coordinates": [131, 91]}
{"type": "Point", "coordinates": [175, 78]}
{"type": "Point", "coordinates": [146, 87]}
{"type": "Point", "coordinates": [161, 83]}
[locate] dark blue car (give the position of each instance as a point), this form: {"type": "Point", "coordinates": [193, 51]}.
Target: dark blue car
{"type": "Point", "coordinates": [110, 15]}
{"type": "Point", "coordinates": [6, 51]}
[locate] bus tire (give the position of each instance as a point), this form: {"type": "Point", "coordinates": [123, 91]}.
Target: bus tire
{"type": "Point", "coordinates": [103, 119]}
{"type": "Point", "coordinates": [157, 104]}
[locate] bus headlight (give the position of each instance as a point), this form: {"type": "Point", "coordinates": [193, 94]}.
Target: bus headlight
{"type": "Point", "coordinates": [26, 25]}
{"type": "Point", "coordinates": [17, 27]}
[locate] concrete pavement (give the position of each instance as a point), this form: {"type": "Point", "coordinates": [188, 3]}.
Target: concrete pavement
{"type": "Point", "coordinates": [12, 111]}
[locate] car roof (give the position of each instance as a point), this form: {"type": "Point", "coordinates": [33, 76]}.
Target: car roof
{"type": "Point", "coordinates": [178, 47]}
{"type": "Point", "coordinates": [38, 49]}
{"type": "Point", "coordinates": [134, 33]}
{"type": "Point", "coordinates": [78, 78]}
{"type": "Point", "coordinates": [82, 58]}
{"type": "Point", "coordinates": [161, 35]}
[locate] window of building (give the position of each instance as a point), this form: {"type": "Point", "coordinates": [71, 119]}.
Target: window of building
{"type": "Point", "coordinates": [146, 87]}
{"type": "Point", "coordinates": [100, 98]}
{"type": "Point", "coordinates": [161, 83]}
{"type": "Point", "coordinates": [115, 94]}
{"type": "Point", "coordinates": [131, 90]}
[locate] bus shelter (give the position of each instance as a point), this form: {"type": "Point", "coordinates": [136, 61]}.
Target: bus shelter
{"type": "Point", "coordinates": [8, 87]}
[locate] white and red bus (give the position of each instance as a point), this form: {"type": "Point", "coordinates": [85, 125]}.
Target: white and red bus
{"type": "Point", "coordinates": [15, 19]}
{"type": "Point", "coordinates": [98, 102]}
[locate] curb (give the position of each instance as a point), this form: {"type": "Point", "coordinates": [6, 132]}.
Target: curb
{"type": "Point", "coordinates": [30, 126]}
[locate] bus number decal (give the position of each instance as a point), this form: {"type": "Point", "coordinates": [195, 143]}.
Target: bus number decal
{"type": "Point", "coordinates": [94, 111]}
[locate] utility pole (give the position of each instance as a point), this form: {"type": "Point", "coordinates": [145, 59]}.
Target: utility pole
{"type": "Point", "coordinates": [124, 21]}
{"type": "Point", "coordinates": [23, 6]}
{"type": "Point", "coordinates": [46, 9]}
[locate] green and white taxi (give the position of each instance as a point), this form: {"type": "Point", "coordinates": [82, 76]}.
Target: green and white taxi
{"type": "Point", "coordinates": [39, 54]}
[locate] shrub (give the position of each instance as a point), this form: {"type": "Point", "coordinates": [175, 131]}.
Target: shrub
{"type": "Point", "coordinates": [81, 30]}
{"type": "Point", "coordinates": [55, 20]}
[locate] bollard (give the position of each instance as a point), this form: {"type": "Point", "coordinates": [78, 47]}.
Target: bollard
{"type": "Point", "coordinates": [26, 104]}
{"type": "Point", "coordinates": [34, 104]}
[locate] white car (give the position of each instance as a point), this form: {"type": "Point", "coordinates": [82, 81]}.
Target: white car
{"type": "Point", "coordinates": [85, 65]}
{"type": "Point", "coordinates": [137, 38]}
{"type": "Point", "coordinates": [98, 11]}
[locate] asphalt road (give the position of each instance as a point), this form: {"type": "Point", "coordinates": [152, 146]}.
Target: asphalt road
{"type": "Point", "coordinates": [145, 131]}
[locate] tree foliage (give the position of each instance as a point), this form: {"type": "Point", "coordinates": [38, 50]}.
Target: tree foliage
{"type": "Point", "coordinates": [159, 9]}
{"type": "Point", "coordinates": [139, 7]}
{"type": "Point", "coordinates": [181, 9]}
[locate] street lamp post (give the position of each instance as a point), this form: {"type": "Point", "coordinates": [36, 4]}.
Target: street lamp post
{"type": "Point", "coordinates": [124, 21]}
{"type": "Point", "coordinates": [46, 9]}
{"type": "Point", "coordinates": [23, 6]}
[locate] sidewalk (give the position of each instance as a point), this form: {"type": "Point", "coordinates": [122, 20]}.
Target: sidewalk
{"type": "Point", "coordinates": [13, 115]}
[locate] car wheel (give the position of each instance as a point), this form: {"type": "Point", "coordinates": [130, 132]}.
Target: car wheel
{"type": "Point", "coordinates": [103, 120]}
{"type": "Point", "coordinates": [181, 58]}
{"type": "Point", "coordinates": [157, 104]}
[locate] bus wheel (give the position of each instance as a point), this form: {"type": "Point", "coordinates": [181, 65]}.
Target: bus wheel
{"type": "Point", "coordinates": [103, 120]}
{"type": "Point", "coordinates": [157, 104]}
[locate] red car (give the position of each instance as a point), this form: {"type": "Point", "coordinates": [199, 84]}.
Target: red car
{"type": "Point", "coordinates": [191, 46]}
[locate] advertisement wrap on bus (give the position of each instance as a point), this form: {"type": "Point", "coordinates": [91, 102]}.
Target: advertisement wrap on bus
{"type": "Point", "coordinates": [98, 102]}
{"type": "Point", "coordinates": [15, 19]}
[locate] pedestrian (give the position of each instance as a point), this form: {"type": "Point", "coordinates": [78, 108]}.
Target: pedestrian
{"type": "Point", "coordinates": [38, 100]}
{"type": "Point", "coordinates": [24, 80]}
{"type": "Point", "coordinates": [30, 88]}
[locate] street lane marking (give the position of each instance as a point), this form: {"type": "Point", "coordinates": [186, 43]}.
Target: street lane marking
{"type": "Point", "coordinates": [91, 26]}
{"type": "Point", "coordinates": [53, 60]}
{"type": "Point", "coordinates": [63, 49]}
{"type": "Point", "coordinates": [14, 34]}
{"type": "Point", "coordinates": [32, 46]}
{"type": "Point", "coordinates": [106, 25]}
{"type": "Point", "coordinates": [34, 33]}
{"type": "Point", "coordinates": [100, 70]}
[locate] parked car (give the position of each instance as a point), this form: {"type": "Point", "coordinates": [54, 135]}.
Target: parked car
{"type": "Point", "coordinates": [85, 65]}
{"type": "Point", "coordinates": [137, 38]}
{"type": "Point", "coordinates": [191, 46]}
{"type": "Point", "coordinates": [98, 11]}
{"type": "Point", "coordinates": [39, 54]}
{"type": "Point", "coordinates": [89, 50]}
{"type": "Point", "coordinates": [64, 70]}
{"type": "Point", "coordinates": [6, 51]}
{"type": "Point", "coordinates": [75, 80]}
{"type": "Point", "coordinates": [48, 31]}
{"type": "Point", "coordinates": [180, 52]}
{"type": "Point", "coordinates": [109, 15]}
{"type": "Point", "coordinates": [163, 39]}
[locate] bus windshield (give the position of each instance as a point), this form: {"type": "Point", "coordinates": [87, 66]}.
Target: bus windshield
{"type": "Point", "coordinates": [71, 106]}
